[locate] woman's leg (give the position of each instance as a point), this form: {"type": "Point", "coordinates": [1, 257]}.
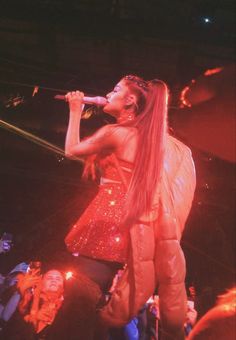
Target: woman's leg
{"type": "Point", "coordinates": [99, 271]}
{"type": "Point", "coordinates": [91, 281]}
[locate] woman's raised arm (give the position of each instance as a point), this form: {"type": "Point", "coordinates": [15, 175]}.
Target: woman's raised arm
{"type": "Point", "coordinates": [104, 138]}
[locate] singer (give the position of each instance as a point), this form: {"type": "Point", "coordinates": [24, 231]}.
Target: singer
{"type": "Point", "coordinates": [137, 218]}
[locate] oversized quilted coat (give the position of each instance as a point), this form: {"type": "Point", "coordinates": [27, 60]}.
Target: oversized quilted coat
{"type": "Point", "coordinates": [156, 259]}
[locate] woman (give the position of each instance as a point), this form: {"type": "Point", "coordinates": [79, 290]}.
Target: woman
{"type": "Point", "coordinates": [131, 156]}
{"type": "Point", "coordinates": [115, 145]}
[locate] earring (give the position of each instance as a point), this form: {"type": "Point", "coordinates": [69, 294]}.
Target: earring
{"type": "Point", "coordinates": [130, 116]}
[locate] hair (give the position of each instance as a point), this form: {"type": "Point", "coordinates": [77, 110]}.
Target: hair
{"type": "Point", "coordinates": [219, 321]}
{"type": "Point", "coordinates": [151, 123]}
{"type": "Point", "coordinates": [139, 87]}
{"type": "Point", "coordinates": [229, 297]}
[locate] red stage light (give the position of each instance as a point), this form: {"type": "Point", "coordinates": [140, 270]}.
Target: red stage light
{"type": "Point", "coordinates": [212, 71]}
{"type": "Point", "coordinates": [184, 101]}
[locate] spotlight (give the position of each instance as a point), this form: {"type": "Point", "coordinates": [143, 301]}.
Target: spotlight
{"type": "Point", "coordinates": [69, 275]}
{"type": "Point", "coordinates": [207, 20]}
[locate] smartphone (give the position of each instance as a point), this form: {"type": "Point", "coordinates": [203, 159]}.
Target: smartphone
{"type": "Point", "coordinates": [33, 266]}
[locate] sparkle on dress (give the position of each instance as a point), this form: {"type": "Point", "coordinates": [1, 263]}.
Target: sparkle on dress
{"type": "Point", "coordinates": [98, 232]}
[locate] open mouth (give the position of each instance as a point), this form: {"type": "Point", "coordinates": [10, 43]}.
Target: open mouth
{"type": "Point", "coordinates": [53, 285]}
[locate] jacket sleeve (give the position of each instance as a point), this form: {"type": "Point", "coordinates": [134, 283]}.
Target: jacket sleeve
{"type": "Point", "coordinates": [176, 191]}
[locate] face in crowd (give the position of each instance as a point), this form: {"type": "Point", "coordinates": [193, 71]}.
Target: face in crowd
{"type": "Point", "coordinates": [52, 281]}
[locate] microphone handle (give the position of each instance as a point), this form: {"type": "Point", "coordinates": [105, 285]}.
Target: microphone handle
{"type": "Point", "coordinates": [99, 101]}
{"type": "Point", "coordinates": [60, 97]}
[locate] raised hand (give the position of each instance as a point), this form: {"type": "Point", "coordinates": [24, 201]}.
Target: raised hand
{"type": "Point", "coordinates": [28, 280]}
{"type": "Point", "coordinates": [75, 100]}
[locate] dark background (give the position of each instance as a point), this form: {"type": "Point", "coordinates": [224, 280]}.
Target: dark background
{"type": "Point", "coordinates": [89, 45]}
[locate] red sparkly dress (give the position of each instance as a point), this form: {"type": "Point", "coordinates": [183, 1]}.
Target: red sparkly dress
{"type": "Point", "coordinates": [98, 233]}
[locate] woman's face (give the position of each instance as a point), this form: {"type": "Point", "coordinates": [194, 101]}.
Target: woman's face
{"type": "Point", "coordinates": [52, 281]}
{"type": "Point", "coordinates": [117, 99]}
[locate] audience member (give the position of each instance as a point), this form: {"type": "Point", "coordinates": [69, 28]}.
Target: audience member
{"type": "Point", "coordinates": [219, 322]}
{"type": "Point", "coordinates": [41, 297]}
{"type": "Point", "coordinates": [9, 295]}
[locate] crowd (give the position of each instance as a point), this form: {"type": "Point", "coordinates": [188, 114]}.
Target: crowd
{"type": "Point", "coordinates": [33, 306]}
{"type": "Point", "coordinates": [37, 306]}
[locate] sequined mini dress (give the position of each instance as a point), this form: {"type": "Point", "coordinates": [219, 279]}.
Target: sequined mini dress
{"type": "Point", "coordinates": [99, 233]}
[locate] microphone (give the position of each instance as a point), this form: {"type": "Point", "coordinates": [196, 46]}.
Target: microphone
{"type": "Point", "coordinates": [99, 101]}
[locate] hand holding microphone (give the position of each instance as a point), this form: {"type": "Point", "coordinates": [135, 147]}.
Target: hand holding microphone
{"type": "Point", "coordinates": [99, 101]}
{"type": "Point", "coordinates": [77, 100]}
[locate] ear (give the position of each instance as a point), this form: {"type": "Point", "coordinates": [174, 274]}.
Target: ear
{"type": "Point", "coordinates": [131, 99]}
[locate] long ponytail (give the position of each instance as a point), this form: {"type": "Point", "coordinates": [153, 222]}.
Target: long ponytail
{"type": "Point", "coordinates": [152, 130]}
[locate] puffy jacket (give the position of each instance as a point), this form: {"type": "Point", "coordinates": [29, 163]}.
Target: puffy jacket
{"type": "Point", "coordinates": [155, 257]}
